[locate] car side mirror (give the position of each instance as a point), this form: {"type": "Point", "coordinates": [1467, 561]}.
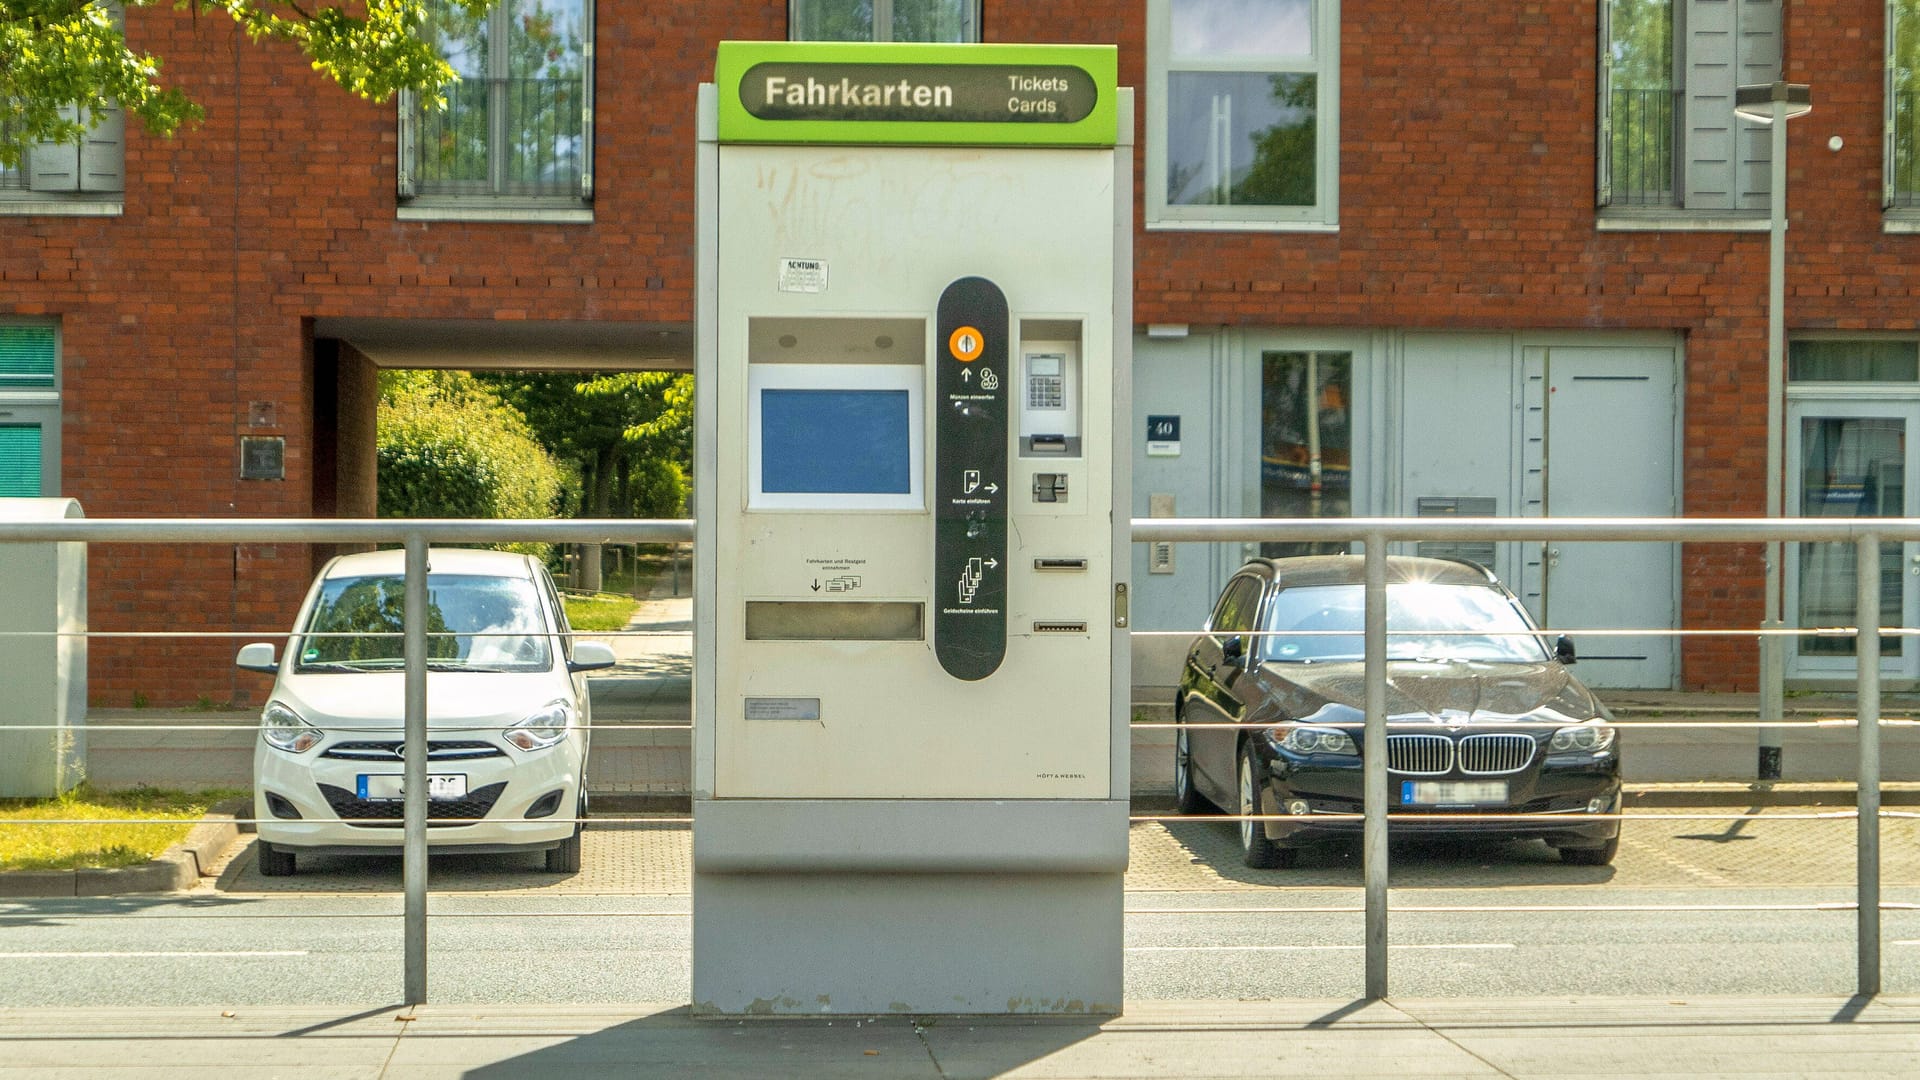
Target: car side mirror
{"type": "Point", "coordinates": [257, 657]}
{"type": "Point", "coordinates": [1233, 649]}
{"type": "Point", "coordinates": [1563, 650]}
{"type": "Point", "coordinates": [591, 656]}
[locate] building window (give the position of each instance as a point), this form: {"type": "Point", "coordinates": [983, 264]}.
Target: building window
{"type": "Point", "coordinates": [517, 130]}
{"type": "Point", "coordinates": [1306, 442]}
{"type": "Point", "coordinates": [29, 409]}
{"type": "Point", "coordinates": [883, 20]}
{"type": "Point", "coordinates": [1903, 105]}
{"type": "Point", "coordinates": [1669, 139]}
{"type": "Point", "coordinates": [87, 175]}
{"type": "Point", "coordinates": [1242, 111]}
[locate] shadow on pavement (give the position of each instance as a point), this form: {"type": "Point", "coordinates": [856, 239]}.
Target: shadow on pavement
{"type": "Point", "coordinates": [674, 1043]}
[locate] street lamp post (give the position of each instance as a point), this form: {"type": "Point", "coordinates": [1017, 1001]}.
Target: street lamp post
{"type": "Point", "coordinates": [1774, 104]}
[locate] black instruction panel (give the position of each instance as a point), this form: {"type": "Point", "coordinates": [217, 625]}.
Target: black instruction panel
{"type": "Point", "coordinates": [970, 479]}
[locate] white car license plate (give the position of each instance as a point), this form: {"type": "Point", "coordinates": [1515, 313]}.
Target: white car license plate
{"type": "Point", "coordinates": [1452, 792]}
{"type": "Point", "coordinates": [386, 787]}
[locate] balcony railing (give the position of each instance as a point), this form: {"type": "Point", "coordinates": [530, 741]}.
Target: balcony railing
{"type": "Point", "coordinates": [1905, 165]}
{"type": "Point", "coordinates": [502, 137]}
{"type": "Point", "coordinates": [1642, 150]}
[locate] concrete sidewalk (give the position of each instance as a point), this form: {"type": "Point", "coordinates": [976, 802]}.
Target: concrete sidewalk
{"type": "Point", "coordinates": [1328, 1040]}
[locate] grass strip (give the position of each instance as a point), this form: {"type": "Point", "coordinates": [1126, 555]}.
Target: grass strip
{"type": "Point", "coordinates": [600, 612]}
{"type": "Point", "coordinates": [27, 843]}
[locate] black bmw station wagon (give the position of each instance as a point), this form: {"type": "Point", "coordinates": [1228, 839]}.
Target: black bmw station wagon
{"type": "Point", "coordinates": [1483, 717]}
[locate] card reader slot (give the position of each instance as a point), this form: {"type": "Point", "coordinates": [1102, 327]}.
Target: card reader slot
{"type": "Point", "coordinates": [1055, 626]}
{"type": "Point", "coordinates": [1059, 564]}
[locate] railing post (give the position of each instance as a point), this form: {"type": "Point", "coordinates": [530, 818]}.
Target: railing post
{"type": "Point", "coordinates": [1867, 797]}
{"type": "Point", "coordinates": [414, 870]}
{"type": "Point", "coordinates": [1374, 758]}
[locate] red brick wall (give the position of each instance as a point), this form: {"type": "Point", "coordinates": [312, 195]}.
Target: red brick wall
{"type": "Point", "coordinates": [1466, 194]}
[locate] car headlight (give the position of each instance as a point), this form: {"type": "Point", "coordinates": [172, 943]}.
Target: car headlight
{"type": "Point", "coordinates": [1585, 739]}
{"type": "Point", "coordinates": [1306, 740]}
{"type": "Point", "coordinates": [285, 730]}
{"type": "Point", "coordinates": [542, 729]}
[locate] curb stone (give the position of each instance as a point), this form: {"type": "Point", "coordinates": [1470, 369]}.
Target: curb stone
{"type": "Point", "coordinates": [177, 868]}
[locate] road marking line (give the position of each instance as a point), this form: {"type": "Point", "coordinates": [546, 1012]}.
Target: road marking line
{"type": "Point", "coordinates": [142, 955]}
{"type": "Point", "coordinates": [1309, 948]}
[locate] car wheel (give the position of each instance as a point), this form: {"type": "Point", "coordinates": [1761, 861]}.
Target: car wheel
{"type": "Point", "coordinates": [273, 861]}
{"type": "Point", "coordinates": [565, 859]}
{"type": "Point", "coordinates": [1591, 856]}
{"type": "Point", "coordinates": [1186, 798]}
{"type": "Point", "coordinates": [1255, 849]}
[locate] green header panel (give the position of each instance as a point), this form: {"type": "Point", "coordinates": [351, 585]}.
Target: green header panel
{"type": "Point", "coordinates": [920, 94]}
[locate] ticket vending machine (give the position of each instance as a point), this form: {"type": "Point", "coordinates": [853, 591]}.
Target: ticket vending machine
{"type": "Point", "coordinates": [911, 663]}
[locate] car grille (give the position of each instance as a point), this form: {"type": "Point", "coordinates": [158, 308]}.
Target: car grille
{"type": "Point", "coordinates": [437, 750]}
{"type": "Point", "coordinates": [1419, 755]}
{"type": "Point", "coordinates": [1488, 755]}
{"type": "Point", "coordinates": [385, 813]}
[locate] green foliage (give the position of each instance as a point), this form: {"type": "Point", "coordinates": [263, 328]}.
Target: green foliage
{"type": "Point", "coordinates": [657, 488]}
{"type": "Point", "coordinates": [630, 425]}
{"type": "Point", "coordinates": [449, 447]}
{"type": "Point", "coordinates": [63, 59]}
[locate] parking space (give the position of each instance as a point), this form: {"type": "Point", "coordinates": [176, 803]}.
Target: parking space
{"type": "Point", "coordinates": [1672, 848]}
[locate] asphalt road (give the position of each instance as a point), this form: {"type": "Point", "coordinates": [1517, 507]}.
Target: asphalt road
{"type": "Point", "coordinates": [1697, 904]}
{"type": "Point", "coordinates": [1277, 944]}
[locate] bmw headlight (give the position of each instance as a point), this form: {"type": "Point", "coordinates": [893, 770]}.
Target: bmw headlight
{"type": "Point", "coordinates": [1306, 740]}
{"type": "Point", "coordinates": [542, 729]}
{"type": "Point", "coordinates": [285, 730]}
{"type": "Point", "coordinates": [1585, 739]}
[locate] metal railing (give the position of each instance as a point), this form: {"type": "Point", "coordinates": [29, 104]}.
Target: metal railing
{"type": "Point", "coordinates": [1642, 150]}
{"type": "Point", "coordinates": [1904, 169]}
{"type": "Point", "coordinates": [1375, 534]}
{"type": "Point", "coordinates": [502, 137]}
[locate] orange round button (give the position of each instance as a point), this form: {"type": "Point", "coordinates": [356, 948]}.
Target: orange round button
{"type": "Point", "coordinates": [965, 344]}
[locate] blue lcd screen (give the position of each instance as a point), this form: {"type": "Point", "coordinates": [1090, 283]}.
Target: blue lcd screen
{"type": "Point", "coordinates": [835, 442]}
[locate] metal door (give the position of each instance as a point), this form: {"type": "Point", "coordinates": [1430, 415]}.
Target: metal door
{"type": "Point", "coordinates": [1848, 459]}
{"type": "Point", "coordinates": [1603, 446]}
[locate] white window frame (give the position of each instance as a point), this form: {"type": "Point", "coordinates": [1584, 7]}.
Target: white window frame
{"type": "Point", "coordinates": [575, 207]}
{"type": "Point", "coordinates": [883, 21]}
{"type": "Point", "coordinates": [1323, 61]}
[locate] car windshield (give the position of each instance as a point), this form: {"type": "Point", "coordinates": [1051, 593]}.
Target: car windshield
{"type": "Point", "coordinates": [1425, 621]}
{"type": "Point", "coordinates": [475, 622]}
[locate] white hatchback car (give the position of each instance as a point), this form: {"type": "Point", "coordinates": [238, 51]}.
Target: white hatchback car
{"type": "Point", "coordinates": [507, 709]}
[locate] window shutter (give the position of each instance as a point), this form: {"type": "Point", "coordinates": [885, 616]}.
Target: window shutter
{"type": "Point", "coordinates": [407, 188]}
{"type": "Point", "coordinates": [26, 357]}
{"type": "Point", "coordinates": [55, 166]}
{"type": "Point", "coordinates": [1728, 42]}
{"type": "Point", "coordinates": [97, 162]}
{"type": "Point", "coordinates": [1603, 166]}
{"type": "Point", "coordinates": [1709, 127]}
{"type": "Point", "coordinates": [20, 471]}
{"type": "Point", "coordinates": [1757, 56]}
{"type": "Point", "coordinates": [103, 152]}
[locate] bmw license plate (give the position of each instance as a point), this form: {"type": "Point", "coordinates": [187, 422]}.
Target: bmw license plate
{"type": "Point", "coordinates": [386, 787]}
{"type": "Point", "coordinates": [1452, 792]}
